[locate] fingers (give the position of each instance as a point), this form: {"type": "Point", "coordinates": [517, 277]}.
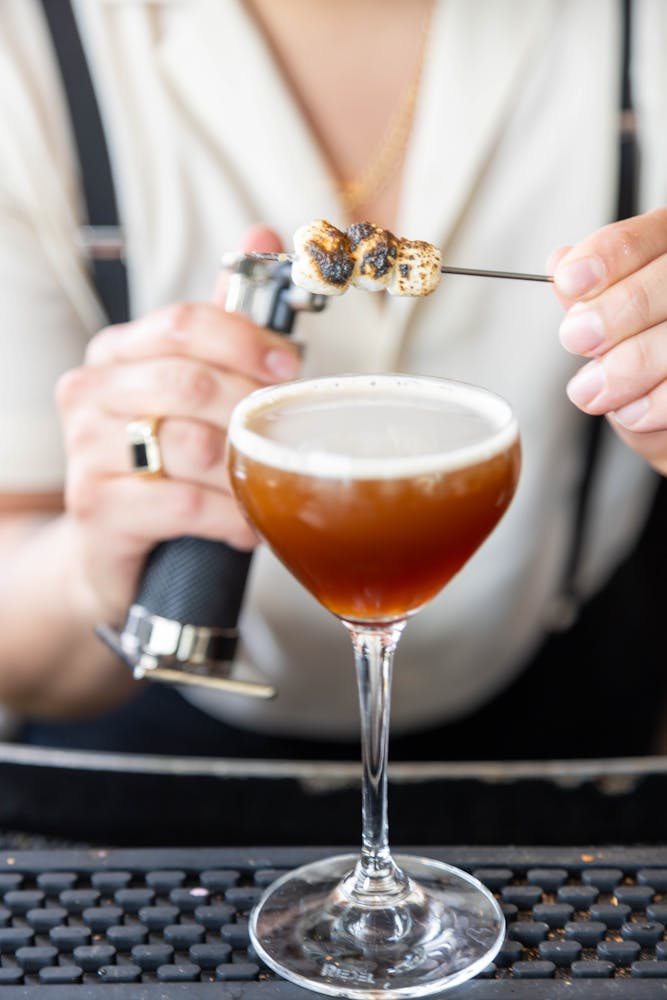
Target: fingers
{"type": "Point", "coordinates": [629, 380]}
{"type": "Point", "coordinates": [191, 450]}
{"type": "Point", "coordinates": [194, 399]}
{"type": "Point", "coordinates": [636, 303]}
{"type": "Point", "coordinates": [193, 497]}
{"type": "Point", "coordinates": [159, 388]}
{"type": "Point", "coordinates": [613, 283]}
{"type": "Point", "coordinates": [199, 331]}
{"type": "Point", "coordinates": [121, 515]}
{"type": "Point", "coordinates": [614, 287]}
{"type": "Point", "coordinates": [138, 512]}
{"type": "Point", "coordinates": [611, 254]}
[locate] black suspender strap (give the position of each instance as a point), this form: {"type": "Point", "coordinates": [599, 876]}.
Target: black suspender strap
{"type": "Point", "coordinates": [595, 427]}
{"type": "Point", "coordinates": [626, 205]}
{"type": "Point", "coordinates": [102, 236]}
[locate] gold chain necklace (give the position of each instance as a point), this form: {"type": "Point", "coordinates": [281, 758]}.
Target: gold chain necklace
{"type": "Point", "coordinates": [374, 177]}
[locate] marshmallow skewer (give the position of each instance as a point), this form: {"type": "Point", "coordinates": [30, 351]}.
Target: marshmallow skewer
{"type": "Point", "coordinates": [476, 272]}
{"type": "Point", "coordinates": [479, 272]}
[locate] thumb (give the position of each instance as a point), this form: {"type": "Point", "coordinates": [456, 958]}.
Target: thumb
{"type": "Point", "coordinates": [259, 238]}
{"type": "Point", "coordinates": [552, 264]}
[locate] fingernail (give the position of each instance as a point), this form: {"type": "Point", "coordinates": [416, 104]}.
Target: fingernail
{"type": "Point", "coordinates": [586, 384]}
{"type": "Point", "coordinates": [281, 364]}
{"type": "Point", "coordinates": [582, 331]}
{"type": "Point", "coordinates": [631, 414]}
{"type": "Point", "coordinates": [579, 277]}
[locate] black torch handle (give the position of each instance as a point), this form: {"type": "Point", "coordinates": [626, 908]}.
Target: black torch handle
{"type": "Point", "coordinates": [195, 581]}
{"type": "Point", "coordinates": [200, 582]}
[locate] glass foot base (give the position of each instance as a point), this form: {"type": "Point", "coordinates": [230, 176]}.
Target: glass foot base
{"type": "Point", "coordinates": [442, 930]}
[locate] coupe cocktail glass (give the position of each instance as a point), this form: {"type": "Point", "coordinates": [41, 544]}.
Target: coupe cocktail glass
{"type": "Point", "coordinates": [374, 490]}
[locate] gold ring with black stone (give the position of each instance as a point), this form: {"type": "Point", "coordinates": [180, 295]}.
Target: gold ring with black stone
{"type": "Point", "coordinates": [145, 453]}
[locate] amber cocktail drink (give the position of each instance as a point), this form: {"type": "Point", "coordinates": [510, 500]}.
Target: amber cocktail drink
{"type": "Point", "coordinates": [374, 491]}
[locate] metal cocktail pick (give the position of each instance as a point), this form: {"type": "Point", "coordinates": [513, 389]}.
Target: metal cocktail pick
{"type": "Point", "coordinates": [481, 273]}
{"type": "Point", "coordinates": [475, 271]}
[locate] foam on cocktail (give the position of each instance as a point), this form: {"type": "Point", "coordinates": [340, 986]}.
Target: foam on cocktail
{"type": "Point", "coordinates": [385, 426]}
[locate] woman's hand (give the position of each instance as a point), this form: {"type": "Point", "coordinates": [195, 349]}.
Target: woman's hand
{"type": "Point", "coordinates": [614, 287]}
{"type": "Point", "coordinates": [186, 365]}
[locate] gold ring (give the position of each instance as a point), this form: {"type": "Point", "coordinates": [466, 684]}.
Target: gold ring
{"type": "Point", "coordinates": [145, 454]}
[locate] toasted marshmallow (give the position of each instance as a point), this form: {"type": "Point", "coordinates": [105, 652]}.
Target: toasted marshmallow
{"type": "Point", "coordinates": [323, 263]}
{"type": "Point", "coordinates": [374, 252]}
{"type": "Point", "coordinates": [327, 261]}
{"type": "Point", "coordinates": [417, 270]}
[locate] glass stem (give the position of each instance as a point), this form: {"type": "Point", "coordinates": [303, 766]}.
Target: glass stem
{"type": "Point", "coordinates": [375, 874]}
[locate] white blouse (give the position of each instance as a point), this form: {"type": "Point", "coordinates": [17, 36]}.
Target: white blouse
{"type": "Point", "coordinates": [513, 153]}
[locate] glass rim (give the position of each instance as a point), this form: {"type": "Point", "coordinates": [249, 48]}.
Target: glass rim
{"type": "Point", "coordinates": [291, 458]}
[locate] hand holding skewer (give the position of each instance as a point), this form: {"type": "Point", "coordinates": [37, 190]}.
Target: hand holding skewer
{"type": "Point", "coordinates": [614, 287]}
